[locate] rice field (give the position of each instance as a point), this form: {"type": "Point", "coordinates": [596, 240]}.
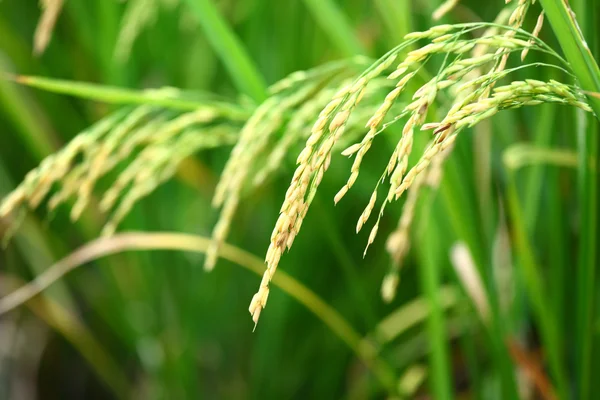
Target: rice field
{"type": "Point", "coordinates": [412, 185]}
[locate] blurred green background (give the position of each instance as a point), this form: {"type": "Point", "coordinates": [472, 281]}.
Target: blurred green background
{"type": "Point", "coordinates": [154, 325]}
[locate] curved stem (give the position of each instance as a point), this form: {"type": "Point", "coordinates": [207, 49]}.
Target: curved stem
{"type": "Point", "coordinates": [137, 241]}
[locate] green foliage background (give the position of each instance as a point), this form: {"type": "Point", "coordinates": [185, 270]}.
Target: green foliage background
{"type": "Point", "coordinates": [155, 325]}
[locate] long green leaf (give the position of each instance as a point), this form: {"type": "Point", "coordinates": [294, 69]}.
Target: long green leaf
{"type": "Point", "coordinates": [575, 47]}
{"type": "Point", "coordinates": [430, 277]}
{"type": "Point", "coordinates": [534, 283]}
{"type": "Point", "coordinates": [165, 97]}
{"type": "Point", "coordinates": [231, 51]}
{"type": "Point", "coordinates": [578, 53]}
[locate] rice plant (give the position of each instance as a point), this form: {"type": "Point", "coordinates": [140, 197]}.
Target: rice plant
{"type": "Point", "coordinates": [484, 313]}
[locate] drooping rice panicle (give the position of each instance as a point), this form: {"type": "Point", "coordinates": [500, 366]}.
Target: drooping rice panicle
{"type": "Point", "coordinates": [312, 162]}
{"type": "Point", "coordinates": [418, 109]}
{"type": "Point", "coordinates": [253, 140]}
{"type": "Point", "coordinates": [471, 80]}
{"type": "Point", "coordinates": [329, 127]}
{"type": "Point", "coordinates": [39, 181]}
{"type": "Point", "coordinates": [159, 137]}
{"type": "Point", "coordinates": [515, 95]}
{"type": "Point", "coordinates": [158, 163]}
{"type": "Point", "coordinates": [400, 240]}
{"type": "Point", "coordinates": [295, 131]}
{"type": "Point", "coordinates": [297, 93]}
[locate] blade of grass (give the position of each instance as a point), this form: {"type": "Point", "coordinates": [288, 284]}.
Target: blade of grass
{"type": "Point", "coordinates": [576, 49]}
{"type": "Point", "coordinates": [224, 42]}
{"type": "Point", "coordinates": [578, 53]}
{"type": "Point", "coordinates": [429, 277]}
{"type": "Point", "coordinates": [542, 137]}
{"type": "Point", "coordinates": [18, 108]}
{"type": "Point", "coordinates": [587, 190]}
{"type": "Point", "coordinates": [333, 21]}
{"type": "Point", "coordinates": [396, 16]}
{"type": "Point", "coordinates": [436, 332]}
{"type": "Point", "coordinates": [107, 17]}
{"type": "Point", "coordinates": [457, 205]}
{"type": "Point", "coordinates": [530, 272]}
{"type": "Point", "coordinates": [482, 158]}
{"type": "Point", "coordinates": [166, 97]}
{"type": "Point", "coordinates": [558, 259]}
{"type": "Point", "coordinates": [523, 154]}
{"type": "Point", "coordinates": [587, 185]}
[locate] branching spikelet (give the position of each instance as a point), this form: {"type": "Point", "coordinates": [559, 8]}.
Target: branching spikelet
{"type": "Point", "coordinates": [515, 95]}
{"type": "Point", "coordinates": [99, 161]}
{"type": "Point", "coordinates": [535, 33]}
{"type": "Point", "coordinates": [367, 212]}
